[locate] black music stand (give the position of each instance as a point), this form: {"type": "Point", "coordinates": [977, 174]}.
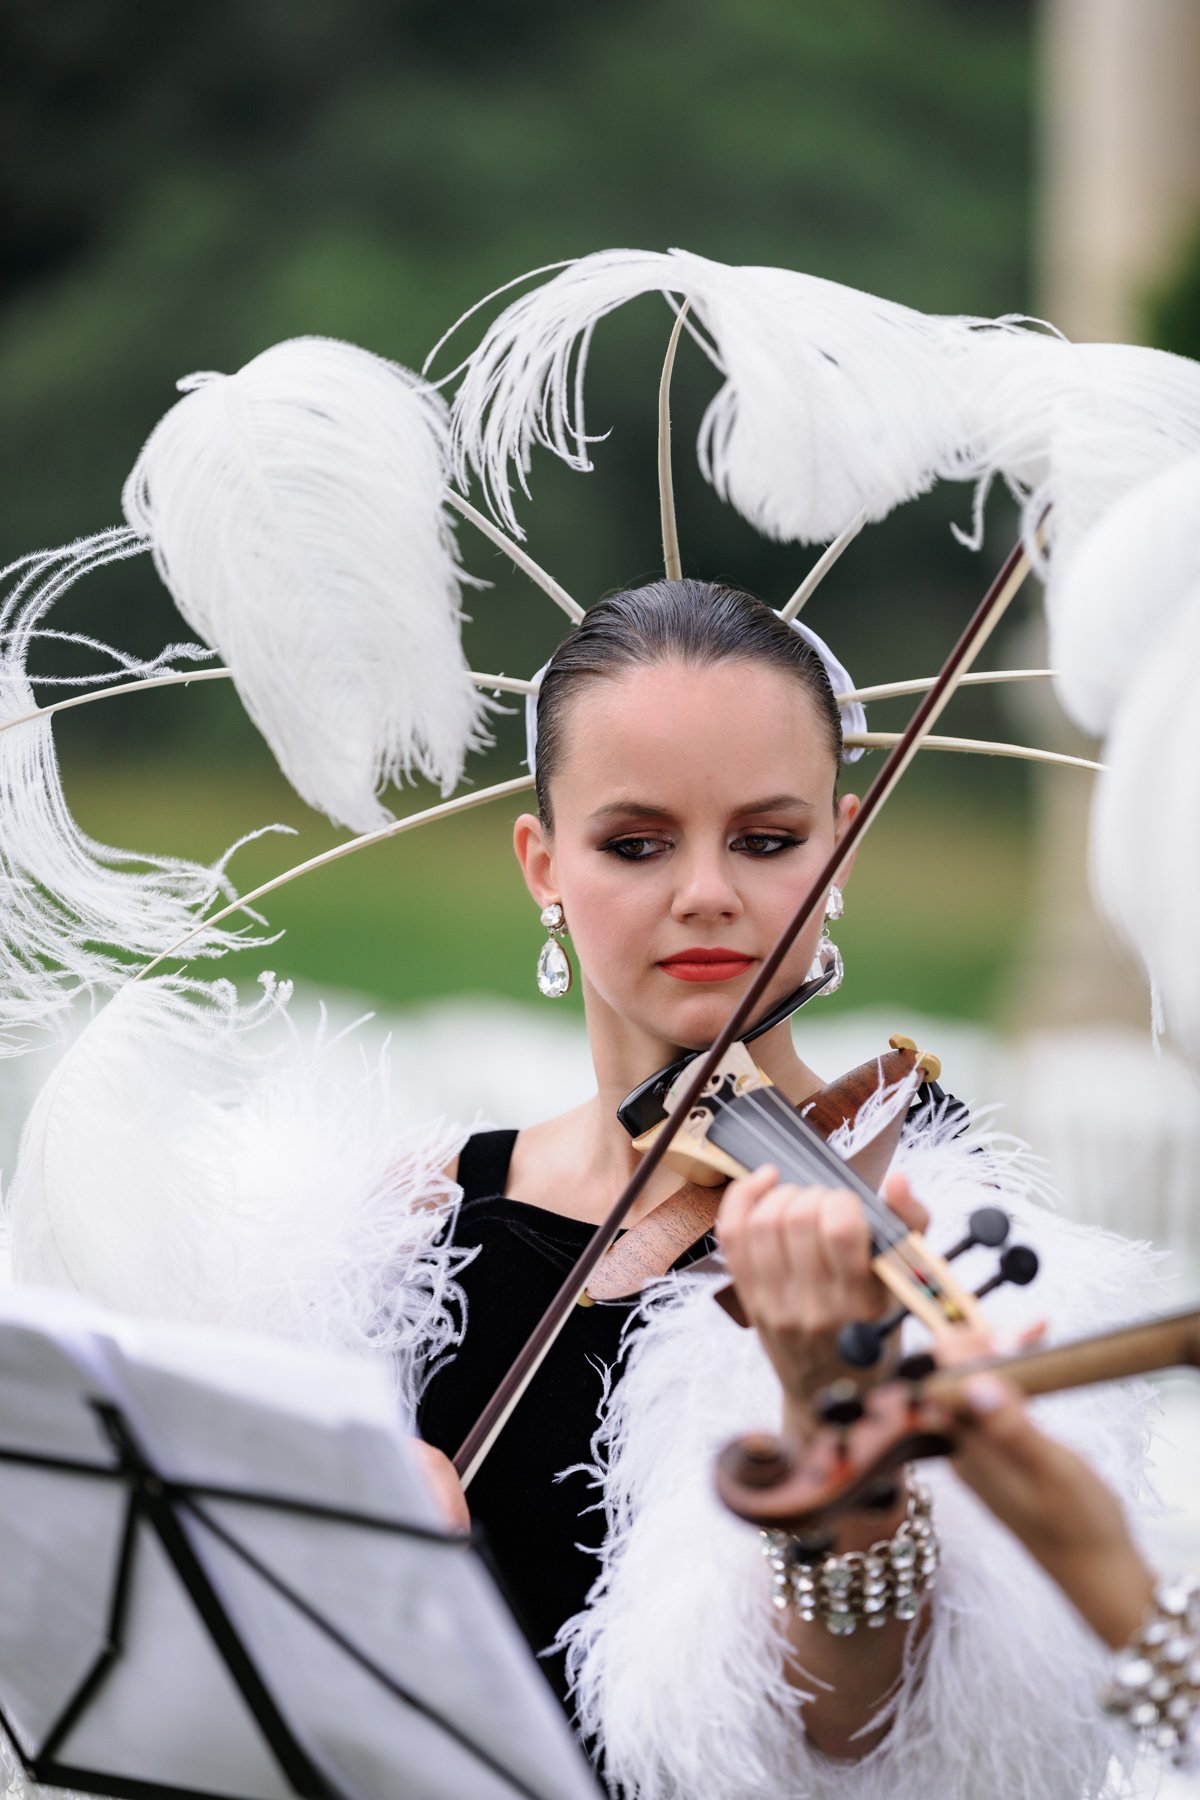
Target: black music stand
{"type": "Point", "coordinates": [221, 1578]}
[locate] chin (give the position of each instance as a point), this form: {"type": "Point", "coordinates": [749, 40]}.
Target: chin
{"type": "Point", "coordinates": [698, 1014]}
{"type": "Point", "coordinates": [695, 1021]}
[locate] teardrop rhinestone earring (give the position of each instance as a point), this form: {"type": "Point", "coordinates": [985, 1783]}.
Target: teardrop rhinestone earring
{"type": "Point", "coordinates": [553, 964]}
{"type": "Point", "coordinates": [828, 960]}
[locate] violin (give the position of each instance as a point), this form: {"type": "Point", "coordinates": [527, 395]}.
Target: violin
{"type": "Point", "coordinates": [741, 1120]}
{"type": "Point", "coordinates": [863, 1437]}
{"type": "Point", "coordinates": [651, 1247]}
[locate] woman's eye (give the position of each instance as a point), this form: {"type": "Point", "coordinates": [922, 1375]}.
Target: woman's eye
{"type": "Point", "coordinates": [635, 849]}
{"type": "Point", "coordinates": [766, 843]}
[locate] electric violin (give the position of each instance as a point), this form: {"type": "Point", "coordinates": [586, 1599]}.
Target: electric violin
{"type": "Point", "coordinates": [651, 1247]}
{"type": "Point", "coordinates": [740, 1121]}
{"type": "Point", "coordinates": [862, 1437]}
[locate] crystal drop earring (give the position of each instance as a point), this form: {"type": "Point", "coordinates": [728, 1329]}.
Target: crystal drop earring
{"type": "Point", "coordinates": [828, 960]}
{"type": "Point", "coordinates": [553, 965]}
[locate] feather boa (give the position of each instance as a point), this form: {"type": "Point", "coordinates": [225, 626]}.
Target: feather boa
{"type": "Point", "coordinates": [179, 1163]}
{"type": "Point", "coordinates": [677, 1662]}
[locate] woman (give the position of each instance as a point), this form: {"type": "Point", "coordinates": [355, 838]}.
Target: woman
{"type": "Point", "coordinates": [687, 758]}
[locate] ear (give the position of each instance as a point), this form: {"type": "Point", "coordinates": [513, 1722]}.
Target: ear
{"type": "Point", "coordinates": [847, 808]}
{"type": "Point", "coordinates": [532, 843]}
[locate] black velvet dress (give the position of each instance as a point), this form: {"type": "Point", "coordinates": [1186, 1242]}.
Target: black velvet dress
{"type": "Point", "coordinates": [539, 1534]}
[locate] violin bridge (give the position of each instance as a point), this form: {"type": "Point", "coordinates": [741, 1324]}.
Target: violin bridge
{"type": "Point", "coordinates": [692, 1154]}
{"type": "Point", "coordinates": [924, 1283]}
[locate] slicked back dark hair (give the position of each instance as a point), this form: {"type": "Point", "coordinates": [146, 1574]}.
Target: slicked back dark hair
{"type": "Point", "coordinates": [697, 623]}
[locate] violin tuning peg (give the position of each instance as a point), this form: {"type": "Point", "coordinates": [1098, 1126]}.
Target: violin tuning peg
{"type": "Point", "coordinates": [929, 1066]}
{"type": "Point", "coordinates": [988, 1226]}
{"type": "Point", "coordinates": [841, 1405]}
{"type": "Point", "coordinates": [916, 1367]}
{"type": "Point", "coordinates": [1018, 1264]}
{"type": "Point", "coordinates": [861, 1345]}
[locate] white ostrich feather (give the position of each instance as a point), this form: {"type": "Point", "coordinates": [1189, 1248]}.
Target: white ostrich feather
{"type": "Point", "coordinates": [1110, 605]}
{"type": "Point", "coordinates": [678, 1659]}
{"type": "Point", "coordinates": [1073, 427]}
{"type": "Point", "coordinates": [76, 914]}
{"type": "Point", "coordinates": [835, 403]}
{"type": "Point", "coordinates": [295, 513]}
{"type": "Point", "coordinates": [1145, 832]}
{"type": "Point", "coordinates": [181, 1162]}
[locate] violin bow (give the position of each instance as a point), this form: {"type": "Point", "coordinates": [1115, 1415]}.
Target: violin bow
{"type": "Point", "coordinates": [495, 1415]}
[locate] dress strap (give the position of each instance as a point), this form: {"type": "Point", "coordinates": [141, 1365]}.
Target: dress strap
{"type": "Point", "coordinates": [483, 1163]}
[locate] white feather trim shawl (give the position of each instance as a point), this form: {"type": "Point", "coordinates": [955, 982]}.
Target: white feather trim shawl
{"type": "Point", "coordinates": [189, 1161]}
{"type": "Point", "coordinates": [678, 1663]}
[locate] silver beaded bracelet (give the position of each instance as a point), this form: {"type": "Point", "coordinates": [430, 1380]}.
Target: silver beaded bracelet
{"type": "Point", "coordinates": [1155, 1686]}
{"type": "Point", "coordinates": [888, 1581]}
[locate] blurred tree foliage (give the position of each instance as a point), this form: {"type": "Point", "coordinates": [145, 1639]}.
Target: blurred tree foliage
{"type": "Point", "coordinates": [184, 185]}
{"type": "Point", "coordinates": [1174, 312]}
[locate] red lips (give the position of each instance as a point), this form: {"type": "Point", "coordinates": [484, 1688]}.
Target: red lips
{"type": "Point", "coordinates": [702, 963]}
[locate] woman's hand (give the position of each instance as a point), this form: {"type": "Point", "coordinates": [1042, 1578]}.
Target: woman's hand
{"type": "Point", "coordinates": [441, 1477]}
{"type": "Point", "coordinates": [801, 1261]}
{"type": "Point", "coordinates": [1055, 1503]}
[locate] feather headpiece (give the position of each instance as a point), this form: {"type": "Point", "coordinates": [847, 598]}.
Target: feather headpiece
{"type": "Point", "coordinates": [835, 404]}
{"type": "Point", "coordinates": [299, 510]}
{"type": "Point", "coordinates": [295, 511]}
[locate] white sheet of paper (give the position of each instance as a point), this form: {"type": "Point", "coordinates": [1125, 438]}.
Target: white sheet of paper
{"type": "Point", "coordinates": [227, 1411]}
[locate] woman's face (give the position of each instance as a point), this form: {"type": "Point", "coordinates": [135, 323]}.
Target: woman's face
{"type": "Point", "coordinates": [692, 808]}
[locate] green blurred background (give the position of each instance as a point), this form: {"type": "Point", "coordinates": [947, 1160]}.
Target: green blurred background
{"type": "Point", "coordinates": [183, 186]}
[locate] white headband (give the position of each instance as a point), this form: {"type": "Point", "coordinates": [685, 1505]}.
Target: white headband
{"type": "Point", "coordinates": [854, 718]}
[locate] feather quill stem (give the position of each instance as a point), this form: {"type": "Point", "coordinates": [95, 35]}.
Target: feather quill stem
{"type": "Point", "coordinates": [461, 803]}
{"type": "Point", "coordinates": [672, 565]}
{"type": "Point", "coordinates": [820, 570]}
{"type": "Point", "coordinates": [921, 684]}
{"type": "Point", "coordinates": [884, 740]}
{"type": "Point", "coordinates": [516, 555]}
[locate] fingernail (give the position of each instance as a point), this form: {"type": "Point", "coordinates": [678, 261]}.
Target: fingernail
{"type": "Point", "coordinates": [984, 1393]}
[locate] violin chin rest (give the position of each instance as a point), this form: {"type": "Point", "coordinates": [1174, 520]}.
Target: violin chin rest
{"type": "Point", "coordinates": [728, 1298]}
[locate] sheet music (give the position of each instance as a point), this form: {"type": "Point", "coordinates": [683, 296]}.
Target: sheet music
{"type": "Point", "coordinates": [234, 1411]}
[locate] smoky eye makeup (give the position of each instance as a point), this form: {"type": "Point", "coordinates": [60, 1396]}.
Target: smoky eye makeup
{"type": "Point", "coordinates": [634, 846]}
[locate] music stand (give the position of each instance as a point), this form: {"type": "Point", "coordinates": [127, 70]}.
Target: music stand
{"type": "Point", "coordinates": [223, 1579]}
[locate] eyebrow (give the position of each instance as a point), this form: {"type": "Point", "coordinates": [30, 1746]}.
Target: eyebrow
{"type": "Point", "coordinates": [642, 809]}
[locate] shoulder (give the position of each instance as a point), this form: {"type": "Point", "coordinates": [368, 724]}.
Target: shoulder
{"type": "Point", "coordinates": [482, 1165]}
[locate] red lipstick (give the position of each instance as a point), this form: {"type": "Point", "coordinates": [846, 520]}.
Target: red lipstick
{"type": "Point", "coordinates": [702, 963]}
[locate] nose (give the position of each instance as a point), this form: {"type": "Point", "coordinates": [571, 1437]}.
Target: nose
{"type": "Point", "coordinates": [704, 888]}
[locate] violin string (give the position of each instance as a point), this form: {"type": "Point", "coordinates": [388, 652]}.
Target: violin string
{"type": "Point", "coordinates": [801, 1143]}
{"type": "Point", "coordinates": [785, 1149]}
{"type": "Point", "coordinates": [786, 1145]}
{"type": "Point", "coordinates": [895, 1238]}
